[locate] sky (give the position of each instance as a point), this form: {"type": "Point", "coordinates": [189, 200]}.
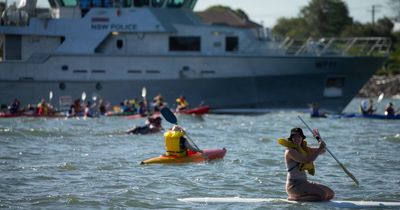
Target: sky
{"type": "Point", "coordinates": [268, 11]}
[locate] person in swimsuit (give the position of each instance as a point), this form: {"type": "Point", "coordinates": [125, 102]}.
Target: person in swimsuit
{"type": "Point", "coordinates": [298, 159]}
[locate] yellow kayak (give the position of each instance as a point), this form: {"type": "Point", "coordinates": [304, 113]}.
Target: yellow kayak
{"type": "Point", "coordinates": [209, 154]}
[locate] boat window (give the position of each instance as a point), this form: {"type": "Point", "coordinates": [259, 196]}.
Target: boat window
{"type": "Point", "coordinates": [175, 3]}
{"type": "Point", "coordinates": [98, 71]}
{"type": "Point", "coordinates": [334, 87]}
{"type": "Point", "coordinates": [152, 71]}
{"type": "Point", "coordinates": [64, 67]}
{"type": "Point", "coordinates": [186, 43]}
{"type": "Point", "coordinates": [231, 43]}
{"type": "Point", "coordinates": [157, 3]}
{"type": "Point", "coordinates": [141, 3]}
{"type": "Point", "coordinates": [120, 43]}
{"type": "Point", "coordinates": [69, 3]}
{"type": "Point", "coordinates": [134, 71]}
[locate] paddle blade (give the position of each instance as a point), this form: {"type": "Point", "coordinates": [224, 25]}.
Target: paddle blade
{"type": "Point", "coordinates": [349, 174]}
{"type": "Point", "coordinates": [144, 92]}
{"type": "Point", "coordinates": [83, 95]}
{"type": "Point", "coordinates": [380, 97]}
{"type": "Point", "coordinates": [168, 115]}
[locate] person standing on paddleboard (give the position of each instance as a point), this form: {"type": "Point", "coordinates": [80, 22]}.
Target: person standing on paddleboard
{"type": "Point", "coordinates": [298, 159]}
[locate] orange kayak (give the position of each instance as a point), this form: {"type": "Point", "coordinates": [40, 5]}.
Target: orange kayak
{"type": "Point", "coordinates": [209, 154]}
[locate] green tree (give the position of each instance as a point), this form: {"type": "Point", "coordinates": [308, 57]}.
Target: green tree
{"type": "Point", "coordinates": [392, 65]}
{"type": "Point", "coordinates": [321, 18]}
{"type": "Point", "coordinates": [292, 27]}
{"type": "Point", "coordinates": [326, 17]}
{"type": "Point", "coordinates": [383, 28]}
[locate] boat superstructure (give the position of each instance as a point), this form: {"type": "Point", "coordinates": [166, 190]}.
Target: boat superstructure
{"type": "Point", "coordinates": [113, 48]}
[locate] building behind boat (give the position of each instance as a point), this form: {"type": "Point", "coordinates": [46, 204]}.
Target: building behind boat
{"type": "Point", "coordinates": [111, 49]}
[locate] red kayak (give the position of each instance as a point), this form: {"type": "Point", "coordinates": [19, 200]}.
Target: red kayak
{"type": "Point", "coordinates": [9, 115]}
{"type": "Point", "coordinates": [209, 154]}
{"type": "Point", "coordinates": [197, 111]}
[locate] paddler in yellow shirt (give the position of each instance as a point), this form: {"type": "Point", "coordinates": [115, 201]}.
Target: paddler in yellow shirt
{"type": "Point", "coordinates": [298, 159]}
{"type": "Point", "coordinates": [176, 144]}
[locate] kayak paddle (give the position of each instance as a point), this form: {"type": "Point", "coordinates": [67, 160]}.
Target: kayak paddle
{"type": "Point", "coordinates": [144, 93]}
{"type": "Point", "coordinates": [380, 98]}
{"type": "Point", "coordinates": [171, 118]}
{"type": "Point", "coordinates": [83, 97]}
{"type": "Point", "coordinates": [50, 96]}
{"type": "Point", "coordinates": [340, 164]}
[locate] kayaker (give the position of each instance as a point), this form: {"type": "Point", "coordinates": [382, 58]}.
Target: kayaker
{"type": "Point", "coordinates": [44, 108]}
{"type": "Point", "coordinates": [389, 111]}
{"type": "Point", "coordinates": [299, 158]}
{"type": "Point", "coordinates": [182, 104]}
{"type": "Point", "coordinates": [176, 143]}
{"type": "Point", "coordinates": [152, 125]}
{"type": "Point", "coordinates": [88, 110]}
{"type": "Point", "coordinates": [370, 110]}
{"type": "Point", "coordinates": [363, 107]}
{"type": "Point", "coordinates": [142, 108]}
{"type": "Point", "coordinates": [15, 106]}
{"type": "Point", "coordinates": [314, 108]}
{"type": "Point", "coordinates": [158, 103]}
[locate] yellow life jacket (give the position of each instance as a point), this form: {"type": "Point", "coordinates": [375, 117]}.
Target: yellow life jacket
{"type": "Point", "coordinates": [182, 102]}
{"type": "Point", "coordinates": [173, 143]}
{"type": "Point", "coordinates": [303, 149]}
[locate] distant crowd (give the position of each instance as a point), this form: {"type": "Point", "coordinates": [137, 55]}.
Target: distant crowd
{"type": "Point", "coordinates": [88, 108]}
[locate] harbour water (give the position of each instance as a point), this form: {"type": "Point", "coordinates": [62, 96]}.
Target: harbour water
{"type": "Point", "coordinates": [92, 164]}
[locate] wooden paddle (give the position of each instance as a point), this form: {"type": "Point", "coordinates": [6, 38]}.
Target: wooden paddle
{"type": "Point", "coordinates": [171, 118]}
{"type": "Point", "coordinates": [340, 164]}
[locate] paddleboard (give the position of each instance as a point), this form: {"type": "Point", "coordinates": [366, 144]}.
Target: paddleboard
{"type": "Point", "coordinates": [333, 203]}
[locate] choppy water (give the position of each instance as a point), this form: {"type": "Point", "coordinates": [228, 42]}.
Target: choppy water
{"type": "Point", "coordinates": [92, 164]}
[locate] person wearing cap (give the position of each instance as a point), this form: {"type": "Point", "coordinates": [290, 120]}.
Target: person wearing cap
{"type": "Point", "coordinates": [176, 143]}
{"type": "Point", "coordinates": [298, 159]}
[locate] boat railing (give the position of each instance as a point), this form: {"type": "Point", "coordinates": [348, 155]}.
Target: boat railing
{"type": "Point", "coordinates": [354, 46]}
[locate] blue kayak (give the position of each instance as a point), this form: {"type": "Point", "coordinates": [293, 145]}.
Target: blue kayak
{"type": "Point", "coordinates": [372, 116]}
